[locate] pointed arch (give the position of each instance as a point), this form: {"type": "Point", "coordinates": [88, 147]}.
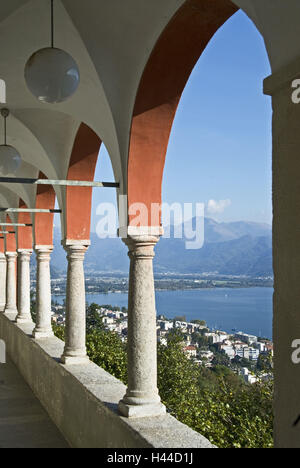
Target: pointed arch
{"type": "Point", "coordinates": [24, 232]}
{"type": "Point", "coordinates": [79, 199]}
{"type": "Point", "coordinates": [11, 243]}
{"type": "Point", "coordinates": [165, 76]}
{"type": "Point", "coordinates": [43, 222]}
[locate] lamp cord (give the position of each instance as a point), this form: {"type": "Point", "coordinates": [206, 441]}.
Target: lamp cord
{"type": "Point", "coordinates": [52, 24]}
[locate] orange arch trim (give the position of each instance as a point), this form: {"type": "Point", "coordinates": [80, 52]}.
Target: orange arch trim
{"type": "Point", "coordinates": [79, 199]}
{"type": "Point", "coordinates": [163, 81]}
{"type": "Point", "coordinates": [45, 199]}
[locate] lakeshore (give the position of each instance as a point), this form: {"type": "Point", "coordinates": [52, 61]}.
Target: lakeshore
{"type": "Point", "coordinates": [247, 309]}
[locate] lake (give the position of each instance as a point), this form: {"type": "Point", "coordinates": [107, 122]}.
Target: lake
{"type": "Point", "coordinates": [248, 310]}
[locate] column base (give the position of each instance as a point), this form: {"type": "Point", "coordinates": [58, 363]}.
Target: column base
{"type": "Point", "coordinates": [2, 307]}
{"type": "Point", "coordinates": [42, 334]}
{"type": "Point", "coordinates": [24, 320]}
{"type": "Point", "coordinates": [74, 360]}
{"type": "Point", "coordinates": [142, 411]}
{"type": "Point", "coordinates": [10, 311]}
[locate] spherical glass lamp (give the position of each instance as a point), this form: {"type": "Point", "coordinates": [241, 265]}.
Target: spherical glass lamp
{"type": "Point", "coordinates": [52, 75]}
{"type": "Point", "coordinates": [10, 159]}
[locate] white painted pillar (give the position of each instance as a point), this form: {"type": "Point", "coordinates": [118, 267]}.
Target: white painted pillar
{"type": "Point", "coordinates": [286, 254]}
{"type": "Point", "coordinates": [43, 328]}
{"type": "Point", "coordinates": [75, 334]}
{"type": "Point", "coordinates": [24, 315]}
{"type": "Point", "coordinates": [3, 268]}
{"type": "Point", "coordinates": [142, 398]}
{"type": "Point", "coordinates": [11, 291]}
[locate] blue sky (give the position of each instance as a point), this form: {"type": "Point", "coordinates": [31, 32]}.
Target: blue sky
{"type": "Point", "coordinates": [220, 147]}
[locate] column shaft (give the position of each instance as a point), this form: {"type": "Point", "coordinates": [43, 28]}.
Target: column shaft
{"type": "Point", "coordinates": [75, 336]}
{"type": "Point", "coordinates": [11, 292]}
{"type": "Point", "coordinates": [3, 268]}
{"type": "Point", "coordinates": [142, 397]}
{"type": "Point", "coordinates": [24, 315]}
{"type": "Point", "coordinates": [43, 328]}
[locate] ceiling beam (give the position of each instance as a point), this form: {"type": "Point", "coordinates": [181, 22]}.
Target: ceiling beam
{"type": "Point", "coordinates": [28, 210]}
{"type": "Point", "coordinates": [62, 183]}
{"type": "Point", "coordinates": [16, 224]}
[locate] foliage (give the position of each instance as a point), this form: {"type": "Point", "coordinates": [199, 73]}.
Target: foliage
{"type": "Point", "coordinates": [221, 359]}
{"type": "Point", "coordinates": [202, 323]}
{"type": "Point", "coordinates": [264, 363]}
{"type": "Point", "coordinates": [33, 306]}
{"type": "Point", "coordinates": [201, 340]}
{"type": "Point", "coordinates": [180, 318]}
{"type": "Point", "coordinates": [107, 351]}
{"type": "Point", "coordinates": [93, 319]}
{"type": "Point", "coordinates": [217, 404]}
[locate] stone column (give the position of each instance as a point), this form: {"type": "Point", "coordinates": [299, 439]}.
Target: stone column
{"type": "Point", "coordinates": [286, 255]}
{"type": "Point", "coordinates": [43, 328]}
{"type": "Point", "coordinates": [24, 315]}
{"type": "Point", "coordinates": [142, 397]}
{"type": "Point", "coordinates": [11, 291]}
{"type": "Point", "coordinates": [3, 268]}
{"type": "Point", "coordinates": [75, 336]}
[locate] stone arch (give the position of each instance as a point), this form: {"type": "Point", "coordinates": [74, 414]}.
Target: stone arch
{"type": "Point", "coordinates": [24, 232]}
{"type": "Point", "coordinates": [163, 81]}
{"type": "Point", "coordinates": [79, 199]}
{"type": "Point", "coordinates": [11, 242]}
{"type": "Point", "coordinates": [43, 222]}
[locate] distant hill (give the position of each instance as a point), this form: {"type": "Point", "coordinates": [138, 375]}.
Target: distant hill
{"type": "Point", "coordinates": [239, 248]}
{"type": "Point", "coordinates": [221, 232]}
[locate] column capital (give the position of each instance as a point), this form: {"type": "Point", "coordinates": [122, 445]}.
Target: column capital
{"type": "Point", "coordinates": [75, 242]}
{"type": "Point", "coordinates": [43, 252]}
{"type": "Point", "coordinates": [140, 231]}
{"type": "Point", "coordinates": [11, 256]}
{"type": "Point", "coordinates": [43, 248]}
{"type": "Point", "coordinates": [24, 254]}
{"type": "Point", "coordinates": [142, 246]}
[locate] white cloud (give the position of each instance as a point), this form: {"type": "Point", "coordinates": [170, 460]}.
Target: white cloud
{"type": "Point", "coordinates": [217, 207]}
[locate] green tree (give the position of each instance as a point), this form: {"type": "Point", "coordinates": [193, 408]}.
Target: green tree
{"type": "Point", "coordinates": [202, 323]}
{"type": "Point", "coordinates": [93, 318]}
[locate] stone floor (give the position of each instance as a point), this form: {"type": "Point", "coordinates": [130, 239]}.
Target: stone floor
{"type": "Point", "coordinates": [23, 421]}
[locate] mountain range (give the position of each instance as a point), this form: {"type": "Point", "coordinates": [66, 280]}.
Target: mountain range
{"type": "Point", "coordinates": [236, 248]}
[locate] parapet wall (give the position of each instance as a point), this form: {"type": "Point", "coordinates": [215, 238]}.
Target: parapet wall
{"type": "Point", "coordinates": [82, 400]}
